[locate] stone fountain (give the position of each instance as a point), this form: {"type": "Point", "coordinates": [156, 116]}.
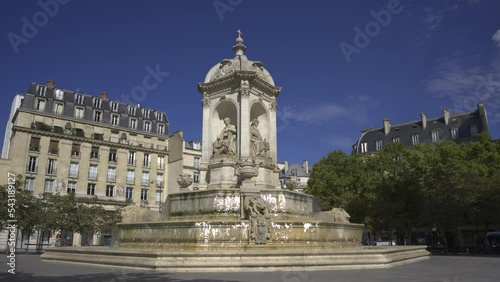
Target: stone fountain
{"type": "Point", "coordinates": [240, 219]}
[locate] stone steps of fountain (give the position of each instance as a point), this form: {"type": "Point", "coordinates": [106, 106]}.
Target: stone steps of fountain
{"type": "Point", "coordinates": [260, 258]}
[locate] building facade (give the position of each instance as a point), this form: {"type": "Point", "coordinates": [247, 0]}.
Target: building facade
{"type": "Point", "coordinates": [460, 127]}
{"type": "Point", "coordinates": [64, 141]}
{"type": "Point", "coordinates": [299, 173]}
{"type": "Point", "coordinates": [184, 161]}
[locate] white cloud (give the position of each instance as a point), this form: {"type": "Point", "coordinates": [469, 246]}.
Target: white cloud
{"type": "Point", "coordinates": [466, 84]}
{"type": "Point", "coordinates": [496, 38]}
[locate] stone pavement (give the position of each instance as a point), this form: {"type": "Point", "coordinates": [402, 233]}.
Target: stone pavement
{"type": "Point", "coordinates": [436, 269]}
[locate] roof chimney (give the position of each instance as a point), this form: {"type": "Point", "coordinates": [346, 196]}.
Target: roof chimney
{"type": "Point", "coordinates": [51, 83]}
{"type": "Point", "coordinates": [424, 120]}
{"type": "Point", "coordinates": [446, 115]}
{"type": "Point", "coordinates": [387, 126]}
{"type": "Point", "coordinates": [286, 167]}
{"type": "Point", "coordinates": [305, 165]}
{"type": "Point", "coordinates": [104, 95]}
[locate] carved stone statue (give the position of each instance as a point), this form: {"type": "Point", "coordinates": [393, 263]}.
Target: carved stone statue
{"type": "Point", "coordinates": [184, 181]}
{"type": "Point", "coordinates": [260, 220]}
{"type": "Point", "coordinates": [227, 137]}
{"type": "Point", "coordinates": [260, 146]}
{"type": "Point", "coordinates": [120, 191]}
{"type": "Point", "coordinates": [219, 148]}
{"type": "Point", "coordinates": [291, 183]}
{"type": "Point", "coordinates": [68, 130]}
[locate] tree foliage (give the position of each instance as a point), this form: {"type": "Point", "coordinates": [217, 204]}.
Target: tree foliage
{"type": "Point", "coordinates": [53, 212]}
{"type": "Point", "coordinates": [442, 185]}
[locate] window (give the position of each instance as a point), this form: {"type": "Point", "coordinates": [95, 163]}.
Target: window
{"type": "Point", "coordinates": [112, 155]}
{"type": "Point", "coordinates": [32, 167]}
{"type": "Point", "coordinates": [51, 167]}
{"type": "Point", "coordinates": [54, 147]}
{"type": "Point", "coordinates": [130, 176]}
{"type": "Point", "coordinates": [58, 108]}
{"type": "Point", "coordinates": [133, 123]}
{"type": "Point", "coordinates": [144, 194]}
{"type": "Point", "coordinates": [40, 105]}
{"type": "Point", "coordinates": [41, 90]}
{"type": "Point", "coordinates": [131, 110]}
{"type": "Point", "coordinates": [71, 187]}
{"type": "Point", "coordinates": [114, 106]}
{"type": "Point", "coordinates": [109, 191]}
{"type": "Point", "coordinates": [128, 193]}
{"type": "Point", "coordinates": [49, 185]}
{"type": "Point", "coordinates": [161, 129]}
{"type": "Point", "coordinates": [73, 170]}
{"type": "Point", "coordinates": [94, 152]}
{"type": "Point", "coordinates": [473, 130]}
{"type": "Point", "coordinates": [196, 162]}
{"type": "Point", "coordinates": [379, 145]}
{"type": "Point", "coordinates": [160, 162]}
{"type": "Point", "coordinates": [59, 94]}
{"type": "Point", "coordinates": [145, 178]}
{"type": "Point", "coordinates": [395, 140]}
{"type": "Point", "coordinates": [159, 116]}
{"type": "Point", "coordinates": [454, 133]}
{"type": "Point", "coordinates": [414, 139]}
{"type": "Point", "coordinates": [35, 144]}
{"type": "Point", "coordinates": [91, 189]}
{"type": "Point", "coordinates": [145, 113]}
{"type": "Point", "coordinates": [75, 150]}
{"type": "Point", "coordinates": [435, 136]}
{"type": "Point", "coordinates": [147, 126]}
{"type": "Point", "coordinates": [147, 160]}
{"type": "Point", "coordinates": [196, 177]}
{"type": "Point", "coordinates": [29, 184]}
{"type": "Point", "coordinates": [159, 180]}
{"type": "Point", "coordinates": [79, 112]}
{"type": "Point", "coordinates": [93, 172]}
{"type": "Point", "coordinates": [79, 98]}
{"type": "Point", "coordinates": [196, 145]}
{"type": "Point", "coordinates": [97, 102]}
{"type": "Point", "coordinates": [131, 158]}
{"type": "Point", "coordinates": [97, 116]}
{"type": "Point", "coordinates": [158, 197]}
{"type": "Point", "coordinates": [364, 147]}
{"type": "Point", "coordinates": [114, 119]}
{"type": "Point", "coordinates": [111, 174]}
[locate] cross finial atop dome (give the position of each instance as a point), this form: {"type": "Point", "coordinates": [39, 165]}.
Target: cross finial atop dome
{"type": "Point", "coordinates": [239, 47]}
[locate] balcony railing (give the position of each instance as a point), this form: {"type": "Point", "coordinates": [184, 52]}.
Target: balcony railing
{"type": "Point", "coordinates": [73, 174]}
{"type": "Point", "coordinates": [144, 181]}
{"type": "Point", "coordinates": [111, 177]}
{"type": "Point", "coordinates": [92, 175]}
{"type": "Point", "coordinates": [34, 148]}
{"type": "Point", "coordinates": [130, 180]}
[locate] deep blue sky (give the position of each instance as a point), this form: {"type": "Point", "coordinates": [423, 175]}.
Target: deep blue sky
{"type": "Point", "coordinates": [430, 55]}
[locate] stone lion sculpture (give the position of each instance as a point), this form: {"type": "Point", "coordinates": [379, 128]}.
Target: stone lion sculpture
{"type": "Point", "coordinates": [334, 215]}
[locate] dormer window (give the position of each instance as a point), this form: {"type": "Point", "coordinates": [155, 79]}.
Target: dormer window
{"type": "Point", "coordinates": [114, 106]}
{"type": "Point", "coordinates": [58, 108]}
{"type": "Point", "coordinates": [131, 110]}
{"type": "Point", "coordinates": [161, 129]}
{"type": "Point", "coordinates": [133, 123]}
{"type": "Point", "coordinates": [59, 94]}
{"type": "Point", "coordinates": [97, 102]}
{"type": "Point", "coordinates": [159, 116]}
{"type": "Point", "coordinates": [435, 136]}
{"type": "Point", "coordinates": [114, 119]}
{"type": "Point", "coordinates": [78, 98]}
{"type": "Point", "coordinates": [147, 126]}
{"type": "Point", "coordinates": [145, 113]}
{"type": "Point", "coordinates": [41, 90]}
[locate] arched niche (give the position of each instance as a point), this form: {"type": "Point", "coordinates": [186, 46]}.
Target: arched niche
{"type": "Point", "coordinates": [258, 111]}
{"type": "Point", "coordinates": [223, 110]}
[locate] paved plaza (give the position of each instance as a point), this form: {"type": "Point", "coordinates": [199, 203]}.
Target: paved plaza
{"type": "Point", "coordinates": [436, 269]}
